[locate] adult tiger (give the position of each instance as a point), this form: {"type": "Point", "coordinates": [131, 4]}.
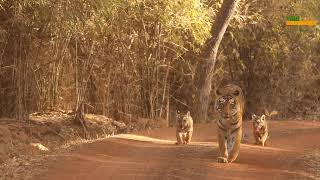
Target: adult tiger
{"type": "Point", "coordinates": [230, 107]}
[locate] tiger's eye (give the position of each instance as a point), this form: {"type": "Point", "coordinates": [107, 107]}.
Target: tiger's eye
{"type": "Point", "coordinates": [232, 101]}
{"type": "Point", "coordinates": [222, 100]}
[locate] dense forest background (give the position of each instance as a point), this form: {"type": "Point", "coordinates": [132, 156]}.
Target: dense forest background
{"type": "Point", "coordinates": [130, 59]}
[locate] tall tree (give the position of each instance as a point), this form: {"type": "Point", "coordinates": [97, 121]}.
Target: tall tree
{"type": "Point", "coordinates": [206, 64]}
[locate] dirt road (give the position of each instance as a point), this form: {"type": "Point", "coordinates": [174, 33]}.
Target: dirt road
{"type": "Point", "coordinates": [153, 155]}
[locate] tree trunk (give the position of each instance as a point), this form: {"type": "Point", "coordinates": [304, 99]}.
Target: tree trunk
{"type": "Point", "coordinates": [205, 67]}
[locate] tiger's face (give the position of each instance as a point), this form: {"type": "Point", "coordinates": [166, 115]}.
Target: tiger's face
{"type": "Point", "coordinates": [183, 120]}
{"type": "Point", "coordinates": [227, 104]}
{"type": "Point", "coordinates": [259, 123]}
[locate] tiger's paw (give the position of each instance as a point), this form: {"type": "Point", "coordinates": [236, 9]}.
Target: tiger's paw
{"type": "Point", "coordinates": [222, 160]}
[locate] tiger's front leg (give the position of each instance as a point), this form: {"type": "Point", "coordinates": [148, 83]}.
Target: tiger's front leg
{"type": "Point", "coordinates": [179, 137]}
{"type": "Point", "coordinates": [257, 138]}
{"type": "Point", "coordinates": [223, 152]}
{"type": "Point", "coordinates": [189, 136]}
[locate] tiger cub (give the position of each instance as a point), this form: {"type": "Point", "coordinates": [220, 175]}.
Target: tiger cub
{"type": "Point", "coordinates": [260, 129]}
{"type": "Point", "coordinates": [230, 107]}
{"type": "Point", "coordinates": [184, 128]}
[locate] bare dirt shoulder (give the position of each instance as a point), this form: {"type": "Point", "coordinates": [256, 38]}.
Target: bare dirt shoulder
{"type": "Point", "coordinates": [25, 146]}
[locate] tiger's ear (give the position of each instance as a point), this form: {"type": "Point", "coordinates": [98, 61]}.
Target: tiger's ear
{"type": "Point", "coordinates": [236, 92]}
{"type": "Point", "coordinates": [177, 113]}
{"type": "Point", "coordinates": [253, 117]}
{"type": "Point", "coordinates": [263, 117]}
{"type": "Point", "coordinates": [218, 92]}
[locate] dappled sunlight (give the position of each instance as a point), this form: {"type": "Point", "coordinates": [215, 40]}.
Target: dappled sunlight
{"type": "Point", "coordinates": [265, 148]}
{"type": "Point", "coordinates": [143, 138]}
{"type": "Point", "coordinates": [196, 143]}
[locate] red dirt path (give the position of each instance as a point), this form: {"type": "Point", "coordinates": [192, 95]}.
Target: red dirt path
{"type": "Point", "coordinates": [143, 158]}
